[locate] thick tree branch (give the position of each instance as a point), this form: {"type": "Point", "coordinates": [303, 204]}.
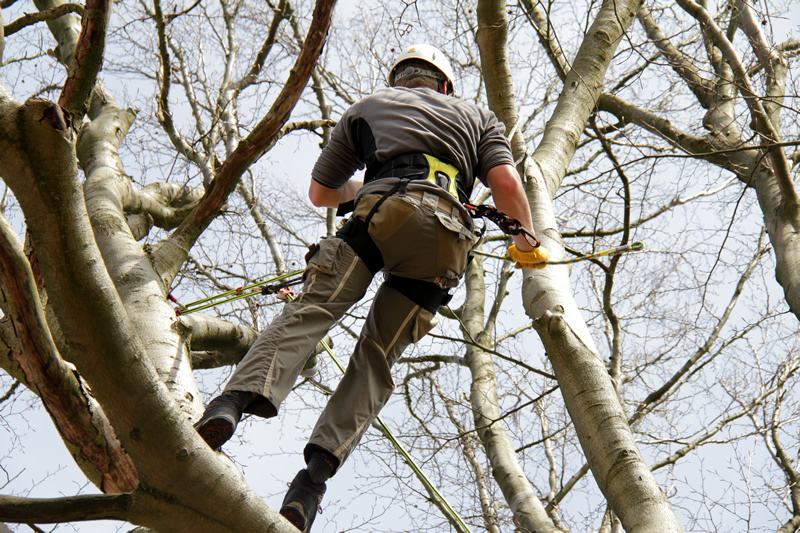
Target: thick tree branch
{"type": "Point", "coordinates": [77, 416]}
{"type": "Point", "coordinates": [71, 509]}
{"type": "Point", "coordinates": [207, 333]}
{"type": "Point", "coordinates": [761, 119]}
{"type": "Point", "coordinates": [88, 59]}
{"type": "Point", "coordinates": [108, 351]}
{"type": "Point", "coordinates": [700, 147]}
{"type": "Point", "coordinates": [66, 30]}
{"type": "Point", "coordinates": [506, 469]}
{"type": "Point", "coordinates": [582, 89]}
{"type": "Point", "coordinates": [682, 66]}
{"type": "Point", "coordinates": [167, 203]}
{"type": "Point", "coordinates": [773, 62]}
{"type": "Point", "coordinates": [600, 422]}
{"type": "Point", "coordinates": [547, 37]}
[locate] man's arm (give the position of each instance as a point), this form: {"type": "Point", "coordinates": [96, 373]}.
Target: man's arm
{"type": "Point", "coordinates": [322, 196]}
{"type": "Point", "coordinates": [509, 197]}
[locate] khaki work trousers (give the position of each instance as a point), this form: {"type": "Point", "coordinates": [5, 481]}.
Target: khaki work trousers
{"type": "Point", "coordinates": [419, 237]}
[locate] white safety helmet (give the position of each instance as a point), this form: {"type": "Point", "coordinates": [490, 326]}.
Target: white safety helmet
{"type": "Point", "coordinates": [429, 54]}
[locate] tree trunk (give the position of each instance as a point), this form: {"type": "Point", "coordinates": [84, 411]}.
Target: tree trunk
{"type": "Point", "coordinates": [529, 514]}
{"type": "Point", "coordinates": [589, 394]}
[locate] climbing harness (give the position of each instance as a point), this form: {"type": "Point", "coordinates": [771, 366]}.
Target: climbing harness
{"type": "Point", "coordinates": [268, 286]}
{"type": "Point", "coordinates": [508, 225]}
{"type": "Point", "coordinates": [619, 250]}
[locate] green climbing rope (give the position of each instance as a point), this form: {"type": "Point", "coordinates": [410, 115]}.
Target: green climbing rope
{"type": "Point", "coordinates": [619, 250]}
{"type": "Point", "coordinates": [267, 286]}
{"type": "Point", "coordinates": [273, 285]}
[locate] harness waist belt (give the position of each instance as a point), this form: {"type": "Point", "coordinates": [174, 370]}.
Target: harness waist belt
{"type": "Point", "coordinates": [417, 166]}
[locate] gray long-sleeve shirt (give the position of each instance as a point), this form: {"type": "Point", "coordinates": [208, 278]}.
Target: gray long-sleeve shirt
{"type": "Point", "coordinates": [399, 120]}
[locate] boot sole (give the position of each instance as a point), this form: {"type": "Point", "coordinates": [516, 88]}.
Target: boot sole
{"type": "Point", "coordinates": [295, 517]}
{"type": "Point", "coordinates": [216, 431]}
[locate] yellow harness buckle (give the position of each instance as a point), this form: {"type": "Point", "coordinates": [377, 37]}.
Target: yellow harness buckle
{"type": "Point", "coordinates": [442, 174]}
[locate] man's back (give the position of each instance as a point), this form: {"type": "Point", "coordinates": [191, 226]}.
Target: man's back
{"type": "Point", "coordinates": [398, 120]}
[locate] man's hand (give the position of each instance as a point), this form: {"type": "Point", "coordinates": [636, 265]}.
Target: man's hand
{"type": "Point", "coordinates": [536, 258]}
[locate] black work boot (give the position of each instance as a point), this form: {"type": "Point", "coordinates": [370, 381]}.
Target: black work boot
{"type": "Point", "coordinates": [221, 417]}
{"type": "Point", "coordinates": [302, 501]}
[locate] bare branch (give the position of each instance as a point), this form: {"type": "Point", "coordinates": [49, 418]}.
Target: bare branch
{"type": "Point", "coordinates": [29, 19]}
{"type": "Point", "coordinates": [682, 66]}
{"type": "Point", "coordinates": [279, 14]}
{"type": "Point", "coordinates": [783, 459]}
{"type": "Point", "coordinates": [164, 77]}
{"type": "Point", "coordinates": [10, 391]}
{"type": "Point", "coordinates": [488, 510]}
{"type": "Point", "coordinates": [257, 142]}
{"type": "Point", "coordinates": [761, 119]}
{"type": "Point", "coordinates": [658, 394]}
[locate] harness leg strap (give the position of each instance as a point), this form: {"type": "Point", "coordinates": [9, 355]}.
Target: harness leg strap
{"type": "Point", "coordinates": [355, 234]}
{"type": "Point", "coordinates": [426, 294]}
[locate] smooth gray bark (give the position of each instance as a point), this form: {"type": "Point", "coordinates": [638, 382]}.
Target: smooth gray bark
{"type": "Point", "coordinates": [589, 394]}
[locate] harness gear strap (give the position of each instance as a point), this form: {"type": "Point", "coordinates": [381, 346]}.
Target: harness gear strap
{"type": "Point", "coordinates": [508, 225]}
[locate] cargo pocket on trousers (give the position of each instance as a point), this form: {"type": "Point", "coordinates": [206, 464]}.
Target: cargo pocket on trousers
{"type": "Point", "coordinates": [321, 257]}
{"type": "Point", "coordinates": [424, 323]}
{"type": "Point", "coordinates": [390, 216]}
{"type": "Point", "coordinates": [455, 243]}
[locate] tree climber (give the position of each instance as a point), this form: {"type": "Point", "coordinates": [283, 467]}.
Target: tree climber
{"type": "Point", "coordinates": [422, 149]}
